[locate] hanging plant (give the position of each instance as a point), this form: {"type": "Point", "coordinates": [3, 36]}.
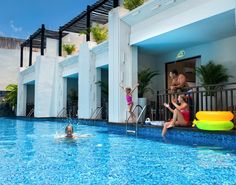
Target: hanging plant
{"type": "Point", "coordinates": [69, 48]}
{"type": "Point", "coordinates": [99, 33]}
{"type": "Point", "coordinates": [132, 4]}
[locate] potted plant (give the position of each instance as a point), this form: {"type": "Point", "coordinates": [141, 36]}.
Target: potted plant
{"type": "Point", "coordinates": [132, 4]}
{"type": "Point", "coordinates": [144, 79]}
{"type": "Point", "coordinates": [11, 96]}
{"type": "Point", "coordinates": [69, 48]}
{"type": "Point", "coordinates": [99, 33]}
{"type": "Point", "coordinates": [212, 74]}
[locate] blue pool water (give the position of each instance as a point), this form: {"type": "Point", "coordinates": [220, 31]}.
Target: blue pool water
{"type": "Point", "coordinates": [30, 154]}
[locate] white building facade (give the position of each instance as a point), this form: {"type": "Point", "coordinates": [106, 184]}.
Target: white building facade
{"type": "Point", "coordinates": [150, 36]}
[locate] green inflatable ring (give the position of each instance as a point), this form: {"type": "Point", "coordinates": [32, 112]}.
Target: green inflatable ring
{"type": "Point", "coordinates": [213, 125]}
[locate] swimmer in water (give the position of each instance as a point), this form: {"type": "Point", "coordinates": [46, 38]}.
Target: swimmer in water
{"type": "Point", "coordinates": [69, 131]}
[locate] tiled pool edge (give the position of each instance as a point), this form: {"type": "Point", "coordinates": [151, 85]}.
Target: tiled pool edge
{"type": "Point", "coordinates": [189, 135]}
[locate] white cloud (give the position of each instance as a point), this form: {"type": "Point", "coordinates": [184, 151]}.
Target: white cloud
{"type": "Point", "coordinates": [14, 27]}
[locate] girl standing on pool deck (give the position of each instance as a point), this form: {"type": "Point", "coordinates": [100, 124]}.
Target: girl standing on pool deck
{"type": "Point", "coordinates": [129, 99]}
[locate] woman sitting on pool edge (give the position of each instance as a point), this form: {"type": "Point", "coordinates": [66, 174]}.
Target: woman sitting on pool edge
{"type": "Point", "coordinates": [181, 114]}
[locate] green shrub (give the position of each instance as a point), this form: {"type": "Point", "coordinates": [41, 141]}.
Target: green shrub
{"type": "Point", "coordinates": [144, 79]}
{"type": "Point", "coordinates": [211, 74]}
{"type": "Point", "coordinates": [11, 96]}
{"type": "Point", "coordinates": [69, 48]}
{"type": "Point", "coordinates": [99, 33]}
{"type": "Point", "coordinates": [132, 4]}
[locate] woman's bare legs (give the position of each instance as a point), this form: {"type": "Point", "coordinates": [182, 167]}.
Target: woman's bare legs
{"type": "Point", "coordinates": [133, 117]}
{"type": "Point", "coordinates": [177, 120]}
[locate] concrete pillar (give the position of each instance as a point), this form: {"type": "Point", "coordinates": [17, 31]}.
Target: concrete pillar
{"type": "Point", "coordinates": [123, 65]}
{"type": "Point", "coordinates": [21, 97]}
{"type": "Point", "coordinates": [87, 81]}
{"type": "Point", "coordinates": [45, 91]}
{"type": "Point", "coordinates": [52, 47]}
{"type": "Point", "coordinates": [98, 87]}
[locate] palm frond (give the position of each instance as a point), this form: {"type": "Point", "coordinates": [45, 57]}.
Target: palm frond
{"type": "Point", "coordinates": [144, 80]}
{"type": "Point", "coordinates": [11, 96]}
{"type": "Point", "coordinates": [212, 73]}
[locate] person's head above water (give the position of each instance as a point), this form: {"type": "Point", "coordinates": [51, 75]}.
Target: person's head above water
{"type": "Point", "coordinates": [69, 131]}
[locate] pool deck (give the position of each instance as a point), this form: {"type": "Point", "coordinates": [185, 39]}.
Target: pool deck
{"type": "Point", "coordinates": [192, 129]}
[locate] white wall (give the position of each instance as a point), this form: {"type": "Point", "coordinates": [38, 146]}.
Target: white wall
{"type": "Point", "coordinates": [10, 64]}
{"type": "Point", "coordinates": [146, 60]}
{"type": "Point", "coordinates": [45, 91]}
{"type": "Point", "coordinates": [87, 79]}
{"type": "Point", "coordinates": [73, 38]}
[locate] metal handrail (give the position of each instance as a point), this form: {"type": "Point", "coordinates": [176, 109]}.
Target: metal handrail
{"type": "Point", "coordinates": [96, 112]}
{"type": "Point", "coordinates": [30, 112]}
{"type": "Point", "coordinates": [201, 86]}
{"type": "Point", "coordinates": [137, 121]}
{"type": "Point", "coordinates": [137, 106]}
{"type": "Point", "coordinates": [61, 111]}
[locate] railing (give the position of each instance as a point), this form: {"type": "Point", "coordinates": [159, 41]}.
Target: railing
{"type": "Point", "coordinates": [143, 109]}
{"type": "Point", "coordinates": [97, 112]}
{"type": "Point", "coordinates": [62, 112]}
{"type": "Point", "coordinates": [72, 108]}
{"type": "Point", "coordinates": [217, 97]}
{"type": "Point", "coordinates": [30, 112]}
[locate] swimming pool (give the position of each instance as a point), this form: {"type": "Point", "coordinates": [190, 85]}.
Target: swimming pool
{"type": "Point", "coordinates": [30, 154]}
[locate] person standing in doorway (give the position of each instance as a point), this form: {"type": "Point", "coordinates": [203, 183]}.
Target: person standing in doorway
{"type": "Point", "coordinates": [179, 83]}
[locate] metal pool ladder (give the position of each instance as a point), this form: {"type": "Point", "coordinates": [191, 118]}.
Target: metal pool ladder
{"type": "Point", "coordinates": [97, 112]}
{"type": "Point", "coordinates": [134, 131]}
{"type": "Point", "coordinates": [30, 112]}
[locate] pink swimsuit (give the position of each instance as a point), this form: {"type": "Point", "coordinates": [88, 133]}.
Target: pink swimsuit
{"type": "Point", "coordinates": [129, 99]}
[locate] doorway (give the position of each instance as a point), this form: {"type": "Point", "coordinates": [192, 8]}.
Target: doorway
{"type": "Point", "coordinates": [186, 67]}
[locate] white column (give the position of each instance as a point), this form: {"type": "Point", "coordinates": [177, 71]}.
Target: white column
{"type": "Point", "coordinates": [52, 47]}
{"type": "Point", "coordinates": [123, 65]}
{"type": "Point", "coordinates": [87, 80]}
{"type": "Point", "coordinates": [21, 97]}
{"type": "Point", "coordinates": [45, 89]}
{"type": "Point", "coordinates": [98, 87]}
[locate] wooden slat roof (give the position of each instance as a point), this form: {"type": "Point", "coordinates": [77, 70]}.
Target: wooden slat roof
{"type": "Point", "coordinates": [99, 14]}
{"type": "Point", "coordinates": [36, 38]}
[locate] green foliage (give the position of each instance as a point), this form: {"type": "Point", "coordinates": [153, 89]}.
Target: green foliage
{"type": "Point", "coordinates": [100, 34]}
{"type": "Point", "coordinates": [104, 87]}
{"type": "Point", "coordinates": [69, 48]}
{"type": "Point", "coordinates": [212, 73]}
{"type": "Point", "coordinates": [11, 96]}
{"type": "Point", "coordinates": [144, 80]}
{"type": "Point", "coordinates": [73, 95]}
{"type": "Point", "coordinates": [132, 4]}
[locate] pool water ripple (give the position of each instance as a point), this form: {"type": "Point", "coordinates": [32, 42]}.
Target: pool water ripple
{"type": "Point", "coordinates": [30, 154]}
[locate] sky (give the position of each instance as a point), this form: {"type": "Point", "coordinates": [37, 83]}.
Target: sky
{"type": "Point", "coordinates": [21, 18]}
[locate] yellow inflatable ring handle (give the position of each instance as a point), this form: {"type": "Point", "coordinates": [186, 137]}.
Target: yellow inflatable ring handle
{"type": "Point", "coordinates": [214, 125]}
{"type": "Point", "coordinates": [215, 115]}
